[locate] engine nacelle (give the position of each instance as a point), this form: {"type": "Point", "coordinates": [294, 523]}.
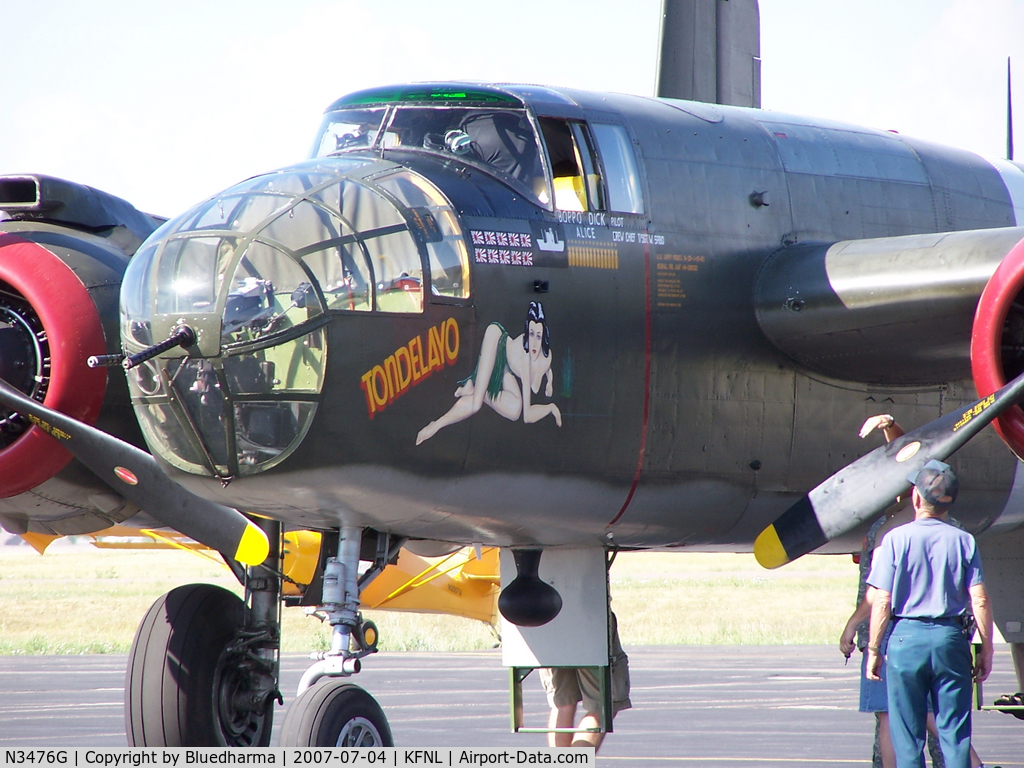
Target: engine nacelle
{"type": "Point", "coordinates": [997, 341]}
{"type": "Point", "coordinates": [914, 310]}
{"type": "Point", "coordinates": [63, 251]}
{"type": "Point", "coordinates": [894, 311]}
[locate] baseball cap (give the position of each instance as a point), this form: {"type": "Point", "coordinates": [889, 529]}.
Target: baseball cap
{"type": "Point", "coordinates": [936, 483]}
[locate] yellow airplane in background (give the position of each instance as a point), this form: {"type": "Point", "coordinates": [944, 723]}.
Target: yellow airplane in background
{"type": "Point", "coordinates": [464, 582]}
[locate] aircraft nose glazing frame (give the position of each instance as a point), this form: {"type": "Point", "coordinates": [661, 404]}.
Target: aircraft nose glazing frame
{"type": "Point", "coordinates": [259, 271]}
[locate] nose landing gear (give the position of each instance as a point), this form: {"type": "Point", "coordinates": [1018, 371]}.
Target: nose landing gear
{"type": "Point", "coordinates": [329, 711]}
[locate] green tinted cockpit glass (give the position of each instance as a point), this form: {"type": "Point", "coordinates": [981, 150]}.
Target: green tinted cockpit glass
{"type": "Point", "coordinates": [435, 93]}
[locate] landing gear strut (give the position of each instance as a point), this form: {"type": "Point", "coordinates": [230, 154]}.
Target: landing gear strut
{"type": "Point", "coordinates": [329, 711]}
{"type": "Point", "coordinates": [203, 668]}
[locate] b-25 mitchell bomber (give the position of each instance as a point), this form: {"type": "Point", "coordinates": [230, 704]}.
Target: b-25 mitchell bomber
{"type": "Point", "coordinates": [558, 322]}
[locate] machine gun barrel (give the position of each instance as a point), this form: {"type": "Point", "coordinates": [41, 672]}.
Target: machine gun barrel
{"type": "Point", "coordinates": [103, 361]}
{"type": "Point", "coordinates": [182, 337]}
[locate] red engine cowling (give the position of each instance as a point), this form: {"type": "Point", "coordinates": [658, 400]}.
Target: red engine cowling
{"type": "Point", "coordinates": [997, 341]}
{"type": "Point", "coordinates": [52, 318]}
{"type": "Point", "coordinates": [63, 251]}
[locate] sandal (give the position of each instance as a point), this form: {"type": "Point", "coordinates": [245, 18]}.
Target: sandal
{"type": "Point", "coordinates": [1012, 700]}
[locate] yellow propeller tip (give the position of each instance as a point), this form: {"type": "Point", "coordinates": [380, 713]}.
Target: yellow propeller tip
{"type": "Point", "coordinates": [768, 549]}
{"type": "Point", "coordinates": [253, 547]}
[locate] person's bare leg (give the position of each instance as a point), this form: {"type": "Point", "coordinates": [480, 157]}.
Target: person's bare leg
{"type": "Point", "coordinates": [885, 741]}
{"type": "Point", "coordinates": [876, 748]}
{"type": "Point", "coordinates": [932, 744]}
{"type": "Point", "coordinates": [933, 749]}
{"type": "Point", "coordinates": [561, 717]}
{"type": "Point", "coordinates": [589, 738]}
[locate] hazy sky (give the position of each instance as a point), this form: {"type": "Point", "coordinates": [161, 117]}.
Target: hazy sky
{"type": "Point", "coordinates": [165, 103]}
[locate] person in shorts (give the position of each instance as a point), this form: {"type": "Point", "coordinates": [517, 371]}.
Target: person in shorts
{"type": "Point", "coordinates": [566, 687]}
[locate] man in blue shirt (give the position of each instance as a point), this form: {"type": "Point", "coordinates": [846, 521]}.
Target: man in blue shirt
{"type": "Point", "coordinates": [927, 573]}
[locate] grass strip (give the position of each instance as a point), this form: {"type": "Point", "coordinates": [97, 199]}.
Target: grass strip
{"type": "Point", "coordinates": [82, 600]}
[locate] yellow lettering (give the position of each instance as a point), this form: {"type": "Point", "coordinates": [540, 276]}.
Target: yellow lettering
{"type": "Point", "coordinates": [365, 384]}
{"type": "Point", "coordinates": [451, 340]}
{"type": "Point", "coordinates": [434, 359]}
{"type": "Point", "coordinates": [391, 369]}
{"type": "Point", "coordinates": [383, 383]}
{"type": "Point", "coordinates": [56, 432]}
{"type": "Point", "coordinates": [404, 376]}
{"type": "Point", "coordinates": [380, 394]}
{"type": "Point", "coordinates": [416, 357]}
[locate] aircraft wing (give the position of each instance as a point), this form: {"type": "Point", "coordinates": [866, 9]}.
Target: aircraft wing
{"type": "Point", "coordinates": [895, 311]}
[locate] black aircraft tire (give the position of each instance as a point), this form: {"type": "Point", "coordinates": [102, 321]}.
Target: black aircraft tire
{"type": "Point", "coordinates": [178, 682]}
{"type": "Point", "coordinates": [335, 713]}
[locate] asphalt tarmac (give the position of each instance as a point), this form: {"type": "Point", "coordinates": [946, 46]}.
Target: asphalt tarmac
{"type": "Point", "coordinates": [711, 705]}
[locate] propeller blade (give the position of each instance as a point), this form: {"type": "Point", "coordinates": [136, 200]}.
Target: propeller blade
{"type": "Point", "coordinates": [134, 474]}
{"type": "Point", "coordinates": [864, 488]}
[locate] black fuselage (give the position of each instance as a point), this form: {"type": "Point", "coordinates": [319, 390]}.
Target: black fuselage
{"type": "Point", "coordinates": [681, 424]}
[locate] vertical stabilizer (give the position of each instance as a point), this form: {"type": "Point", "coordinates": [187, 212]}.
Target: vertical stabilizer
{"type": "Point", "coordinates": [711, 51]}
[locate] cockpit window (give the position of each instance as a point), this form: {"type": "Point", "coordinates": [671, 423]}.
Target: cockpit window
{"type": "Point", "coordinates": [567, 176]}
{"type": "Point", "coordinates": [348, 129]}
{"type": "Point", "coordinates": [591, 166]}
{"type": "Point", "coordinates": [624, 190]}
{"type": "Point", "coordinates": [575, 167]}
{"type": "Point", "coordinates": [502, 140]}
